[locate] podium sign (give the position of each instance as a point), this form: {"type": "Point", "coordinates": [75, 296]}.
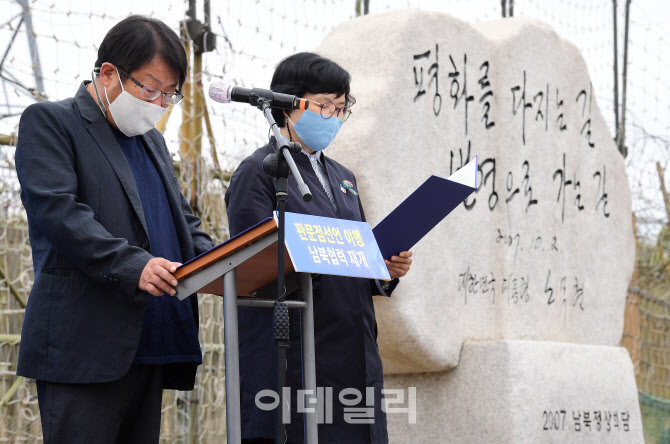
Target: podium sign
{"type": "Point", "coordinates": [333, 246]}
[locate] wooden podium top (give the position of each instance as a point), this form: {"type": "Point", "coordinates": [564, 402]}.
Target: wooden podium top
{"type": "Point", "coordinates": [252, 274]}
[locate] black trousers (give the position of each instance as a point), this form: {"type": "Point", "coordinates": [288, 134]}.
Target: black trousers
{"type": "Point", "coordinates": [124, 411]}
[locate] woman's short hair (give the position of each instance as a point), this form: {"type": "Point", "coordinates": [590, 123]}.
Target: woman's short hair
{"type": "Point", "coordinates": [136, 40]}
{"type": "Point", "coordinates": [307, 72]}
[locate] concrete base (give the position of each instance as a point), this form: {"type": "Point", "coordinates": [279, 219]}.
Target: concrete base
{"type": "Point", "coordinates": [523, 392]}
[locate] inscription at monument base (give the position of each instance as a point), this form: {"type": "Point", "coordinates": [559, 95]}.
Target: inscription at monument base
{"type": "Point", "coordinates": [524, 392]}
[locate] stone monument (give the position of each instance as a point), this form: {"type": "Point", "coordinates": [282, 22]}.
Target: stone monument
{"type": "Point", "coordinates": [507, 328]}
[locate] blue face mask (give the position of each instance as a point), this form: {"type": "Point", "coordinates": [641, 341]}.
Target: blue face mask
{"type": "Point", "coordinates": [315, 131]}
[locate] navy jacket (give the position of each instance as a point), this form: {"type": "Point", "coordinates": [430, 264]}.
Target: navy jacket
{"type": "Point", "coordinates": [345, 328]}
{"type": "Point", "coordinates": [89, 239]}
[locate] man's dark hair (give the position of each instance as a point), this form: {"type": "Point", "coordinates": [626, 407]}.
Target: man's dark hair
{"type": "Point", "coordinates": [136, 40]}
{"type": "Point", "coordinates": [306, 72]}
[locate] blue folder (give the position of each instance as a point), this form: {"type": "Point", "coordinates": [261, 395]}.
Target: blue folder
{"type": "Point", "coordinates": [421, 212]}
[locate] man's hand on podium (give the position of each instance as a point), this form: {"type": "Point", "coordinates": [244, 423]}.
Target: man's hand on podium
{"type": "Point", "coordinates": [398, 266]}
{"type": "Point", "coordinates": [157, 277]}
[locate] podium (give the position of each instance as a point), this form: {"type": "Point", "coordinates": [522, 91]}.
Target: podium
{"type": "Point", "coordinates": [242, 270]}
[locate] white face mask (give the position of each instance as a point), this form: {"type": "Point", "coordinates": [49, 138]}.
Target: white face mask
{"type": "Point", "coordinates": [133, 116]}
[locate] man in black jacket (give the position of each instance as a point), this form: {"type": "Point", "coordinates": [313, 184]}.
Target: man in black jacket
{"type": "Point", "coordinates": [102, 334]}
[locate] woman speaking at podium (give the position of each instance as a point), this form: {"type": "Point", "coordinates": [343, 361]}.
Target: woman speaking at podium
{"type": "Point", "coordinates": [347, 356]}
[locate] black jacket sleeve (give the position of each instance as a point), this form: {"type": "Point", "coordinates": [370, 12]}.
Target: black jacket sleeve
{"type": "Point", "coordinates": [45, 166]}
{"type": "Point", "coordinates": [250, 198]}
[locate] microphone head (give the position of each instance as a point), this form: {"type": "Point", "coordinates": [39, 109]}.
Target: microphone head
{"type": "Point", "coordinates": [220, 92]}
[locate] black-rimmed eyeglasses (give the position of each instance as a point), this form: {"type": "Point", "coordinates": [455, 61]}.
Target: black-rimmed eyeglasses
{"type": "Point", "coordinates": [329, 110]}
{"type": "Point", "coordinates": [152, 93]}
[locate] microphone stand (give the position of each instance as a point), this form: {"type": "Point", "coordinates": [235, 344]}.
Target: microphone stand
{"type": "Point", "coordinates": [279, 165]}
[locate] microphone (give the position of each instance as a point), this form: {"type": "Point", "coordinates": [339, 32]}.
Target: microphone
{"type": "Point", "coordinates": [225, 93]}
